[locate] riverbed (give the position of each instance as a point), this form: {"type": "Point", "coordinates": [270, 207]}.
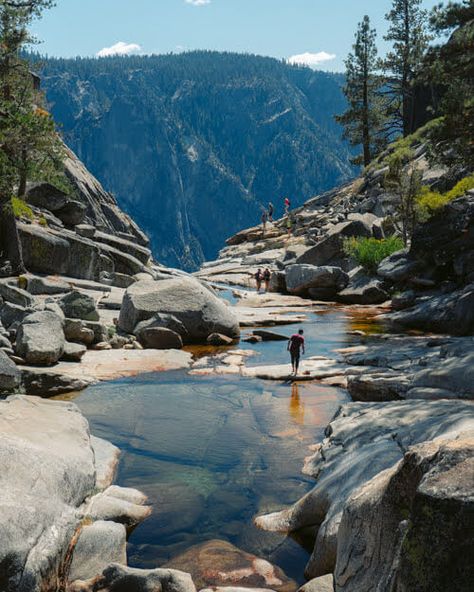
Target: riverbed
{"type": "Point", "coordinates": [212, 452]}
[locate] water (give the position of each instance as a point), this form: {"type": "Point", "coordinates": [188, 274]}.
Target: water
{"type": "Point", "coordinates": [212, 452]}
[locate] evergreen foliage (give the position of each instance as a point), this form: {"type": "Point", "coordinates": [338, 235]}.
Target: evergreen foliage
{"type": "Point", "coordinates": [451, 64]}
{"type": "Point", "coordinates": [364, 119]}
{"type": "Point", "coordinates": [403, 64]}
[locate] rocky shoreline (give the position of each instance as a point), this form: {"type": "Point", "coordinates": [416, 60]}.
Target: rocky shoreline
{"type": "Point", "coordinates": [393, 476]}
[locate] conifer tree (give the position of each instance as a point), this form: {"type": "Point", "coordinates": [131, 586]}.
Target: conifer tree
{"type": "Point", "coordinates": [451, 64]}
{"type": "Point", "coordinates": [28, 141]}
{"type": "Point", "coordinates": [364, 118]}
{"type": "Point", "coordinates": [409, 35]}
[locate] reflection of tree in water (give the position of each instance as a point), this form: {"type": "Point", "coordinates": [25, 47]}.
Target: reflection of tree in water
{"type": "Point", "coordinates": [296, 405]}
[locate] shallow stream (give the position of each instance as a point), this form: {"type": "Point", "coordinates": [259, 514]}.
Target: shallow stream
{"type": "Point", "coordinates": [212, 452]}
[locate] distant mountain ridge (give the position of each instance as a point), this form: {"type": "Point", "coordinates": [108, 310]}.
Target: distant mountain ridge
{"type": "Point", "coordinates": [193, 144]}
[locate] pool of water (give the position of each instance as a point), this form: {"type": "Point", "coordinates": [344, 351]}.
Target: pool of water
{"type": "Point", "coordinates": [212, 452]}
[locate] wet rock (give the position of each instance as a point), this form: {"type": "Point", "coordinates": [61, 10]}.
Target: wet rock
{"type": "Point", "coordinates": [160, 338]}
{"type": "Point", "coordinates": [77, 305]}
{"type": "Point", "coordinates": [118, 578]}
{"type": "Point", "coordinates": [44, 383]}
{"type": "Point", "coordinates": [218, 563]}
{"type": "Point", "coordinates": [98, 545]}
{"type": "Point", "coordinates": [300, 279]}
{"type": "Point", "coordinates": [40, 338]}
{"type": "Point", "coordinates": [363, 440]}
{"type": "Point", "coordinates": [403, 300]}
{"type": "Point", "coordinates": [9, 373]}
{"type": "Point", "coordinates": [73, 352]}
{"type": "Point", "coordinates": [252, 339]}
{"type": "Point", "coordinates": [194, 305]}
{"type": "Point", "coordinates": [269, 335]}
{"type": "Point", "coordinates": [405, 528]}
{"type": "Point", "coordinates": [218, 339]}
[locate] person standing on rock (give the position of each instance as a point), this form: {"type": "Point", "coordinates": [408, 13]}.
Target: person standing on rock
{"type": "Point", "coordinates": [270, 211]}
{"type": "Point", "coordinates": [296, 347]}
{"type": "Point", "coordinates": [267, 276]}
{"type": "Point", "coordinates": [258, 280]}
{"type": "Point", "coordinates": [287, 206]}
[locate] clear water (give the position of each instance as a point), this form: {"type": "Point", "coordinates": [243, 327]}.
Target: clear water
{"type": "Point", "coordinates": [212, 452]}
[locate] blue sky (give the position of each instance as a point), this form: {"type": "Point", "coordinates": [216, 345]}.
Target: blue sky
{"type": "Point", "coordinates": [320, 30]}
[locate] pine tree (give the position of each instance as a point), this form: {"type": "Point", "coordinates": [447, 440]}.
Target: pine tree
{"type": "Point", "coordinates": [28, 142]}
{"type": "Point", "coordinates": [402, 65]}
{"type": "Point", "coordinates": [364, 118]}
{"type": "Point", "coordinates": [451, 64]}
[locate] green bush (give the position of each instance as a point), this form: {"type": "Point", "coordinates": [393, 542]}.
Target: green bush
{"type": "Point", "coordinates": [21, 209]}
{"type": "Point", "coordinates": [429, 201]}
{"type": "Point", "coordinates": [370, 252]}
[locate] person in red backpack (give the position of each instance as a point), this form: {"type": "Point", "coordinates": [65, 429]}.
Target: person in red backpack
{"type": "Point", "coordinates": [287, 206]}
{"type": "Point", "coordinates": [296, 347]}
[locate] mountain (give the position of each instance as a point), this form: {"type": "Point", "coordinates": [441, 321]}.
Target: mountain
{"type": "Point", "coordinates": [193, 144]}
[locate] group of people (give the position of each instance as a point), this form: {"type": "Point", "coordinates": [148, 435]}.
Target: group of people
{"type": "Point", "coordinates": [263, 277]}
{"type": "Point", "coordinates": [267, 215]}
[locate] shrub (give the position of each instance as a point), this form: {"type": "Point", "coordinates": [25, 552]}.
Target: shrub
{"type": "Point", "coordinates": [429, 201]}
{"type": "Point", "coordinates": [21, 209]}
{"type": "Point", "coordinates": [42, 221]}
{"type": "Point", "coordinates": [370, 252]}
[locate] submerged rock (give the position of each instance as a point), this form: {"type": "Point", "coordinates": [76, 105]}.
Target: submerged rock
{"type": "Point", "coordinates": [193, 304]}
{"type": "Point", "coordinates": [218, 563]}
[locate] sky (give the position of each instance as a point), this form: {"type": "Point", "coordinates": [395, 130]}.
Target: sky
{"type": "Point", "coordinates": [318, 33]}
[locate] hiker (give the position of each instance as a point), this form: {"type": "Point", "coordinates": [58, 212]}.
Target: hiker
{"type": "Point", "coordinates": [287, 205]}
{"type": "Point", "coordinates": [264, 222]}
{"type": "Point", "coordinates": [258, 280]}
{"type": "Point", "coordinates": [267, 276]}
{"type": "Point", "coordinates": [270, 211]}
{"type": "Point", "coordinates": [295, 344]}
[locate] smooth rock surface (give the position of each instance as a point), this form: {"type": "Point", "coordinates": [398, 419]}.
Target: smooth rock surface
{"type": "Point", "coordinates": [40, 338]}
{"type": "Point", "coordinates": [200, 311]}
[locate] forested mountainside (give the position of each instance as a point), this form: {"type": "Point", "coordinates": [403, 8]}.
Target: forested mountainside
{"type": "Point", "coordinates": [193, 144]}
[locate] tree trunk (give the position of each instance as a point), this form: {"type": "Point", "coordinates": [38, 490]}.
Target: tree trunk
{"type": "Point", "coordinates": [10, 239]}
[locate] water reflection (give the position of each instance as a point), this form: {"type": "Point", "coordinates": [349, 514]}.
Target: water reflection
{"type": "Point", "coordinates": [296, 404]}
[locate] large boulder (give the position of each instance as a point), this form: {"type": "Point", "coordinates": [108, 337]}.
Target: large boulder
{"type": "Point", "coordinates": [160, 338]}
{"type": "Point", "coordinates": [40, 338]}
{"type": "Point", "coordinates": [41, 443]}
{"type": "Point", "coordinates": [77, 305]}
{"type": "Point", "coordinates": [320, 282]}
{"type": "Point", "coordinates": [46, 196]}
{"type": "Point", "coordinates": [363, 289]}
{"type": "Point", "coordinates": [405, 529]}
{"type": "Point", "coordinates": [14, 294]}
{"type": "Point", "coordinates": [73, 212]}
{"type": "Point", "coordinates": [330, 249]}
{"type": "Point", "coordinates": [9, 373]}
{"type": "Point", "coordinates": [398, 267]}
{"type": "Point", "coordinates": [363, 440]}
{"type": "Point", "coordinates": [185, 298]}
{"type": "Point", "coordinates": [451, 313]}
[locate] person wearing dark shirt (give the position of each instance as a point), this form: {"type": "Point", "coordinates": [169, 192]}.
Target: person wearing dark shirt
{"type": "Point", "coordinates": [258, 280]}
{"type": "Point", "coordinates": [270, 211]}
{"type": "Point", "coordinates": [296, 347]}
{"type": "Point", "coordinates": [267, 276]}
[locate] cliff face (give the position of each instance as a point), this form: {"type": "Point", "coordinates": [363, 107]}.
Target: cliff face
{"type": "Point", "coordinates": [194, 144]}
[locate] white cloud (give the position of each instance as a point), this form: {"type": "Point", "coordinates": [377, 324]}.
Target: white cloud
{"type": "Point", "coordinates": [313, 60]}
{"type": "Point", "coordinates": [121, 49]}
{"type": "Point", "coordinates": [198, 2]}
